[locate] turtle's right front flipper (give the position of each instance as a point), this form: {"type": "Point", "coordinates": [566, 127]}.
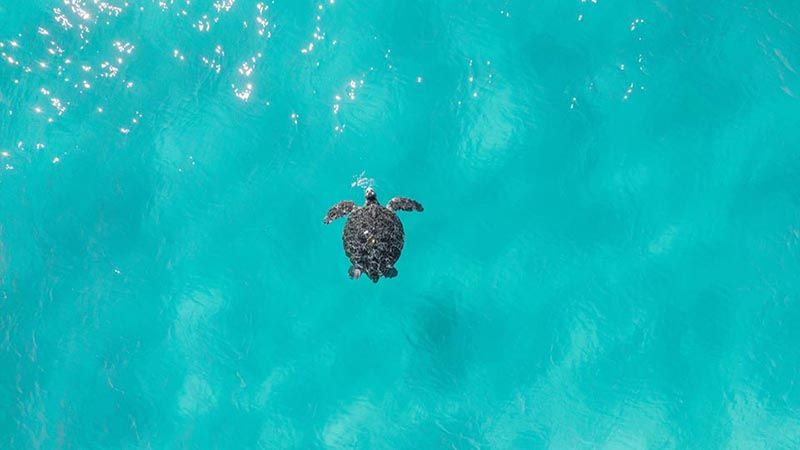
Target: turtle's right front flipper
{"type": "Point", "coordinates": [404, 204]}
{"type": "Point", "coordinates": [338, 210]}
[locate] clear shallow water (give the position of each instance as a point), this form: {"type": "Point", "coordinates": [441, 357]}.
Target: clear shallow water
{"type": "Point", "coordinates": [609, 254]}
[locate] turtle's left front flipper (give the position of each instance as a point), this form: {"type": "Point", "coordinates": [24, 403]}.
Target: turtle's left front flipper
{"type": "Point", "coordinates": [404, 204]}
{"type": "Point", "coordinates": [338, 210]}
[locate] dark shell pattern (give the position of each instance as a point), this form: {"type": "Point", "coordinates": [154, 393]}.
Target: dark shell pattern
{"type": "Point", "coordinates": [373, 239]}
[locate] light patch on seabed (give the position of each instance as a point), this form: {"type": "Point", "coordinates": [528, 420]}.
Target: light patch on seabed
{"type": "Point", "coordinates": [278, 432]}
{"type": "Point", "coordinates": [663, 243]}
{"type": "Point", "coordinates": [639, 423]}
{"type": "Point", "coordinates": [514, 265]}
{"type": "Point", "coordinates": [342, 430]}
{"type": "Point", "coordinates": [265, 390]}
{"type": "Point", "coordinates": [487, 134]}
{"type": "Point", "coordinates": [193, 311]}
{"type": "Point", "coordinates": [259, 398]}
{"type": "Point", "coordinates": [630, 179]}
{"type": "Point", "coordinates": [636, 423]}
{"type": "Point", "coordinates": [196, 397]}
{"type": "Point", "coordinates": [584, 344]}
{"type": "Point", "coordinates": [753, 425]}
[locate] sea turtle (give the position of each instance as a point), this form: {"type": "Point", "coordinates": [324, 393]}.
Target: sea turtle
{"type": "Point", "coordinates": [373, 235]}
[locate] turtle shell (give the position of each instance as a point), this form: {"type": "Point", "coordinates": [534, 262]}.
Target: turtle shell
{"type": "Point", "coordinates": [373, 239]}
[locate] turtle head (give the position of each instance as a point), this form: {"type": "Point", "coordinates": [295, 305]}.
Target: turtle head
{"type": "Point", "coordinates": [369, 195]}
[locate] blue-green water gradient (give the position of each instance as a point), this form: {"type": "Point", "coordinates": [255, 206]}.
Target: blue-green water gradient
{"type": "Point", "coordinates": [609, 255]}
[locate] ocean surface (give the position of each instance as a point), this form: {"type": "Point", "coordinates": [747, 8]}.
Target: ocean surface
{"type": "Point", "coordinates": [609, 255]}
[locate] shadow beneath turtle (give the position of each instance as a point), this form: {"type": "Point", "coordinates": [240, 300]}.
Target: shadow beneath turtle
{"type": "Point", "coordinates": [441, 339]}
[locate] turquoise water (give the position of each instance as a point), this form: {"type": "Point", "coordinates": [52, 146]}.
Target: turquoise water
{"type": "Point", "coordinates": [608, 257]}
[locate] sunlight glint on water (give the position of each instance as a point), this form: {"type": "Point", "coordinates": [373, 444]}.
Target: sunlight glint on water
{"type": "Point", "coordinates": [608, 255]}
